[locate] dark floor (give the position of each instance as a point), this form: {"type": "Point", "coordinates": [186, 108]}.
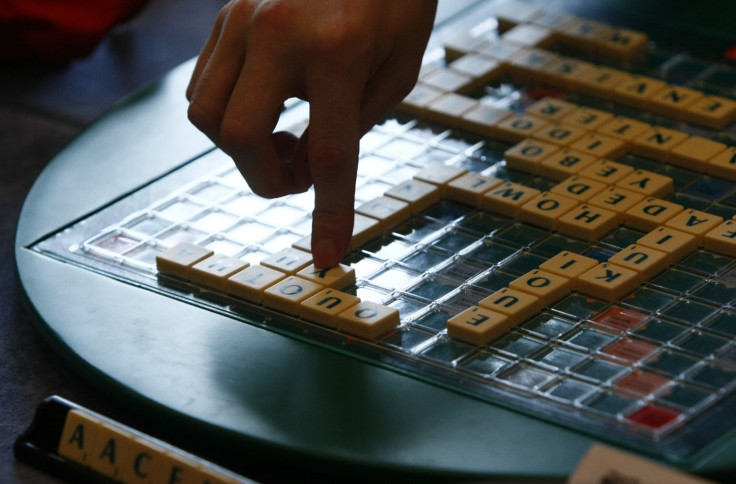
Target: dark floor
{"type": "Point", "coordinates": [41, 110]}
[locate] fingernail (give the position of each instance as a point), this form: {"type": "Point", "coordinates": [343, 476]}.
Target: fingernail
{"type": "Point", "coordinates": [325, 253]}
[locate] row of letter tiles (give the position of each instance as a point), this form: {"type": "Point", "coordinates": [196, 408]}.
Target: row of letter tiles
{"type": "Point", "coordinates": [520, 52]}
{"type": "Point", "coordinates": [129, 458]}
{"type": "Point", "coordinates": [286, 281]}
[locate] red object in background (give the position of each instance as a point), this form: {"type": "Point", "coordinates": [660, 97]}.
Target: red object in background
{"type": "Point", "coordinates": [58, 30]}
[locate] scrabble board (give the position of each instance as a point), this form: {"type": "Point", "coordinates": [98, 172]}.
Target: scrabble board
{"type": "Point", "coordinates": [547, 223]}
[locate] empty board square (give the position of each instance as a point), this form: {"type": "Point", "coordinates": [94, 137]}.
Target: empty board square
{"type": "Point", "coordinates": [182, 233]}
{"type": "Point", "coordinates": [599, 253]}
{"type": "Point", "coordinates": [213, 221]}
{"type": "Point", "coordinates": [599, 370]}
{"type": "Point", "coordinates": [211, 191]}
{"type": "Point", "coordinates": [610, 403]}
{"type": "Point", "coordinates": [490, 253]}
{"type": "Point", "coordinates": [435, 320]}
{"type": "Point", "coordinates": [520, 235]}
{"type": "Point", "coordinates": [716, 292]}
{"type": "Point", "coordinates": [494, 280]}
{"type": "Point", "coordinates": [447, 351]}
{"type": "Point", "coordinates": [724, 322]}
{"type": "Point", "coordinates": [555, 244]}
{"type": "Point", "coordinates": [284, 214]}
{"type": "Point", "coordinates": [706, 263]}
{"type": "Point", "coordinates": [571, 390]}
{"type": "Point", "coordinates": [714, 376]}
{"type": "Point", "coordinates": [518, 345]}
{"type": "Point", "coordinates": [482, 223]}
{"type": "Point", "coordinates": [405, 306]}
{"type": "Point", "coordinates": [687, 311]}
{"type": "Point", "coordinates": [148, 224]}
{"type": "Point", "coordinates": [660, 331]}
{"type": "Point", "coordinates": [114, 242]}
{"type": "Point", "coordinates": [649, 300]}
{"type": "Point", "coordinates": [702, 344]}
{"type": "Point", "coordinates": [677, 281]}
{"type": "Point", "coordinates": [523, 263]}
{"type": "Point", "coordinates": [388, 248]}
{"type": "Point", "coordinates": [460, 270]}
{"type": "Point", "coordinates": [548, 326]}
{"type": "Point", "coordinates": [526, 376]}
{"type": "Point", "coordinates": [405, 339]}
{"type": "Point", "coordinates": [577, 306]}
{"type": "Point", "coordinates": [708, 189]}
{"type": "Point", "coordinates": [446, 212]}
{"type": "Point", "coordinates": [144, 255]}
{"type": "Point", "coordinates": [622, 237]}
{"type": "Point", "coordinates": [392, 278]}
{"type": "Point", "coordinates": [684, 396]}
{"type": "Point", "coordinates": [417, 229]}
{"type": "Point", "coordinates": [246, 205]}
{"type": "Point", "coordinates": [179, 209]}
{"type": "Point", "coordinates": [486, 364]}
{"type": "Point", "coordinates": [560, 358]}
{"type": "Point", "coordinates": [592, 339]}
{"type": "Point", "coordinates": [454, 241]}
{"type": "Point", "coordinates": [423, 260]}
{"type": "Point", "coordinates": [672, 362]}
{"type": "Point", "coordinates": [432, 288]}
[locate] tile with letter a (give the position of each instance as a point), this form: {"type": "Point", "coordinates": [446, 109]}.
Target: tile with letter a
{"type": "Point", "coordinates": [78, 437]}
{"type": "Point", "coordinates": [722, 239]}
{"type": "Point", "coordinates": [324, 306]}
{"type": "Point", "coordinates": [723, 164]}
{"type": "Point", "coordinates": [477, 325]}
{"type": "Point", "coordinates": [252, 281]}
{"type": "Point", "coordinates": [287, 294]}
{"type": "Point", "coordinates": [337, 277]}
{"type": "Point", "coordinates": [179, 259]}
{"type": "Point", "coordinates": [368, 320]}
{"type": "Point", "coordinates": [694, 222]}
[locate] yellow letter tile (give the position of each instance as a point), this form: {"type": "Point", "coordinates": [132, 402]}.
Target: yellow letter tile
{"type": "Point", "coordinates": [548, 287]}
{"type": "Point", "coordinates": [368, 320]}
{"type": "Point", "coordinates": [578, 188]}
{"type": "Point", "coordinates": [647, 183]}
{"type": "Point", "coordinates": [439, 174]}
{"type": "Point", "coordinates": [517, 305]}
{"type": "Point", "coordinates": [601, 81]}
{"type": "Point", "coordinates": [569, 265]}
{"type": "Point", "coordinates": [483, 119]}
{"type": "Point", "coordinates": [214, 271]}
{"type": "Point", "coordinates": [528, 154]}
{"type": "Point", "coordinates": [587, 118]}
{"type": "Point", "coordinates": [337, 277]}
{"type": "Point", "coordinates": [674, 243]}
{"type": "Point", "coordinates": [606, 171]}
{"type": "Point", "coordinates": [588, 222]}
{"type": "Point", "coordinates": [694, 222]}
{"type": "Point", "coordinates": [470, 188]}
{"type": "Point", "coordinates": [289, 260]}
{"type": "Point", "coordinates": [324, 306]}
{"type": "Point", "coordinates": [518, 127]}
{"type": "Point", "coordinates": [657, 142]}
{"type": "Point", "coordinates": [712, 111]}
{"type": "Point", "coordinates": [418, 194]}
{"type": "Point", "coordinates": [564, 163]}
{"type": "Point", "coordinates": [623, 128]}
{"type": "Point", "coordinates": [600, 146]}
{"type": "Point", "coordinates": [417, 101]}
{"type": "Point", "coordinates": [649, 214]}
{"type": "Point", "coordinates": [695, 152]}
{"type": "Point", "coordinates": [478, 325]}
{"type": "Point", "coordinates": [722, 239]}
{"type": "Point", "coordinates": [388, 211]}
{"type": "Point", "coordinates": [364, 230]}
{"type": "Point", "coordinates": [617, 200]}
{"type": "Point", "coordinates": [636, 90]}
{"type": "Point", "coordinates": [179, 259]}
{"type": "Point", "coordinates": [507, 199]}
{"type": "Point", "coordinates": [550, 108]}
{"type": "Point", "coordinates": [449, 108]}
{"type": "Point", "coordinates": [608, 282]}
{"type": "Point", "coordinates": [723, 164]}
{"type": "Point", "coordinates": [673, 100]}
{"type": "Point", "coordinates": [252, 281]}
{"type": "Point", "coordinates": [646, 261]}
{"type": "Point", "coordinates": [561, 134]}
{"type": "Point", "coordinates": [546, 208]}
{"type": "Point", "coordinates": [287, 294]}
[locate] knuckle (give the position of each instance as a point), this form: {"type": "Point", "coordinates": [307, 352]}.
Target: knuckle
{"type": "Point", "coordinates": [201, 117]}
{"type": "Point", "coordinates": [233, 133]}
{"type": "Point", "coordinates": [328, 157]}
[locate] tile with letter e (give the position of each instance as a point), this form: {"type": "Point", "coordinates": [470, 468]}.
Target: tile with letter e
{"type": "Point", "coordinates": [606, 171]}
{"type": "Point", "coordinates": [179, 259]}
{"type": "Point", "coordinates": [650, 213]}
{"type": "Point", "coordinates": [517, 305]}
{"type": "Point", "coordinates": [214, 271]}
{"type": "Point", "coordinates": [507, 199]}
{"type": "Point", "coordinates": [252, 281]}
{"type": "Point", "coordinates": [588, 222]}
{"type": "Point", "coordinates": [617, 200]}
{"type": "Point", "coordinates": [368, 320]}
{"type": "Point", "coordinates": [477, 325]}
{"type": "Point", "coordinates": [548, 287]}
{"type": "Point", "coordinates": [336, 277]}
{"type": "Point", "coordinates": [600, 146]}
{"type": "Point", "coordinates": [287, 294]}
{"type": "Point", "coordinates": [674, 243]}
{"type": "Point", "coordinates": [569, 265]}
{"type": "Point", "coordinates": [546, 208]}
{"type": "Point", "coordinates": [722, 239]}
{"type": "Point", "coordinates": [644, 260]}
{"type": "Point", "coordinates": [608, 282]}
{"type": "Point", "coordinates": [470, 187]}
{"type": "Point", "coordinates": [324, 306]}
{"type": "Point", "coordinates": [694, 222]}
{"type": "Point", "coordinates": [418, 194]}
{"type": "Point", "coordinates": [587, 118]}
{"type": "Point", "coordinates": [712, 111]}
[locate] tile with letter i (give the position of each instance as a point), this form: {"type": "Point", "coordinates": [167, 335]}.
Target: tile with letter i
{"type": "Point", "coordinates": [518, 306]}
{"type": "Point", "coordinates": [324, 307]}
{"type": "Point", "coordinates": [287, 294]}
{"type": "Point", "coordinates": [650, 213]}
{"type": "Point", "coordinates": [723, 164]}
{"type": "Point", "coordinates": [588, 222]}
{"type": "Point", "coordinates": [337, 277]}
{"type": "Point", "coordinates": [564, 163]}
{"type": "Point", "coordinates": [694, 222]}
{"type": "Point", "coordinates": [646, 261]}
{"type": "Point", "coordinates": [545, 209]}
{"type": "Point", "coordinates": [722, 239]}
{"type": "Point", "coordinates": [418, 194]}
{"type": "Point", "coordinates": [214, 271]}
{"type": "Point", "coordinates": [507, 199]}
{"type": "Point", "coordinates": [179, 259]}
{"type": "Point", "coordinates": [569, 265]}
{"type": "Point", "coordinates": [470, 187]}
{"type": "Point", "coordinates": [368, 320]}
{"type": "Point", "coordinates": [674, 243]}
{"type": "Point", "coordinates": [252, 281]}
{"type": "Point", "coordinates": [600, 146]}
{"type": "Point", "coordinates": [477, 325]}
{"type": "Point", "coordinates": [623, 128]}
{"type": "Point", "coordinates": [388, 211]}
{"type": "Point", "coordinates": [608, 282]}
{"type": "Point", "coordinates": [548, 287]}
{"type": "Point", "coordinates": [527, 155]}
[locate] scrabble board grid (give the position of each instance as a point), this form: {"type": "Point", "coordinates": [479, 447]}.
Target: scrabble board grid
{"type": "Point", "coordinates": [639, 369]}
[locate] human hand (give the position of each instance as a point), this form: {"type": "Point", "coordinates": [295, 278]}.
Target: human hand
{"type": "Point", "coordinates": [352, 60]}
